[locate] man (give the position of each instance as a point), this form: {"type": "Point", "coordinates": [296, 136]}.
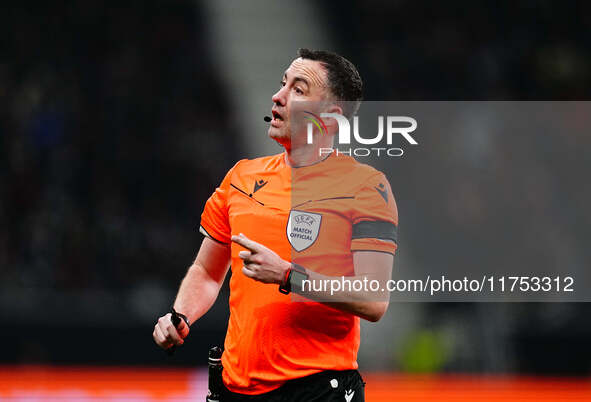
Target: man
{"type": "Point", "coordinates": [331, 214]}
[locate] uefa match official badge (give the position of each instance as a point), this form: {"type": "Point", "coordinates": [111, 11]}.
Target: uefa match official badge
{"type": "Point", "coordinates": [302, 229]}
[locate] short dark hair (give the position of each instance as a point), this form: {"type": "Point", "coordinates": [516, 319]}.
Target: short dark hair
{"type": "Point", "coordinates": [343, 78]}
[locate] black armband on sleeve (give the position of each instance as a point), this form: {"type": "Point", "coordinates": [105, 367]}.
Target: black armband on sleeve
{"type": "Point", "coordinates": [375, 230]}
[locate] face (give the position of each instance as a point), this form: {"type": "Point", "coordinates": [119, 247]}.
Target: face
{"type": "Point", "coordinates": [304, 80]}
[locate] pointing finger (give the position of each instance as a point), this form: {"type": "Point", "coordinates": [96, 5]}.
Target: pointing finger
{"type": "Point", "coordinates": [247, 243]}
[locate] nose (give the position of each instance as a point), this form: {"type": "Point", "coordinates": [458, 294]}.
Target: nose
{"type": "Point", "coordinates": [280, 97]}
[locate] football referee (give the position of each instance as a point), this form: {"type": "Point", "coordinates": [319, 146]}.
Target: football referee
{"type": "Point", "coordinates": [340, 221]}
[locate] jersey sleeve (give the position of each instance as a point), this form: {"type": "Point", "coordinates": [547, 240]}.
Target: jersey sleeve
{"type": "Point", "coordinates": [215, 222]}
{"type": "Point", "coordinates": [375, 217]}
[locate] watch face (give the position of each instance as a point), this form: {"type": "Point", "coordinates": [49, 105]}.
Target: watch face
{"type": "Point", "coordinates": [297, 278]}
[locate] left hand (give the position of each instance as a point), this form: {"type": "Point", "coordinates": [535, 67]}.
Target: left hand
{"type": "Point", "coordinates": [261, 263]}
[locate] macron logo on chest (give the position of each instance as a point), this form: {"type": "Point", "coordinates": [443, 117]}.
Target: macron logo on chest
{"type": "Point", "coordinates": [258, 184]}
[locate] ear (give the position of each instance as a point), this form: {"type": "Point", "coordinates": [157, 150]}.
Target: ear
{"type": "Point", "coordinates": [332, 123]}
{"type": "Point", "coordinates": [335, 108]}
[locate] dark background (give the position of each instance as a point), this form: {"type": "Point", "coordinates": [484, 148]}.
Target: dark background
{"type": "Point", "coordinates": [102, 185]}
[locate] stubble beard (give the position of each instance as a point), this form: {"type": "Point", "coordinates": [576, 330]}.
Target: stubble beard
{"type": "Point", "coordinates": [281, 136]}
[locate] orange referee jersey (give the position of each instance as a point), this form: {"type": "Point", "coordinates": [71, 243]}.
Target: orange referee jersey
{"type": "Point", "coordinates": [317, 215]}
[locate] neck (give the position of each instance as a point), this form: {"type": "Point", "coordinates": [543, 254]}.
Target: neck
{"type": "Point", "coordinates": [306, 154]}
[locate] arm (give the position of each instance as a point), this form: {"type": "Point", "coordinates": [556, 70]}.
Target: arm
{"type": "Point", "coordinates": [371, 306]}
{"type": "Point", "coordinates": [197, 293]}
{"type": "Point", "coordinates": [264, 265]}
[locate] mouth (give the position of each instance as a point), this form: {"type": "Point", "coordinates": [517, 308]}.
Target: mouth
{"type": "Point", "coordinates": [277, 118]}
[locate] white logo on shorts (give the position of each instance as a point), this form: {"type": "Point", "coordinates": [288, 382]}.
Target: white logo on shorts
{"type": "Point", "coordinates": [349, 395]}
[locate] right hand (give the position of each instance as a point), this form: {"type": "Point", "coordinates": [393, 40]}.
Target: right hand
{"type": "Point", "coordinates": [166, 335]}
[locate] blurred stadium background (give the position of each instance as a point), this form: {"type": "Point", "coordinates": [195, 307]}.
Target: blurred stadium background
{"type": "Point", "coordinates": [118, 120]}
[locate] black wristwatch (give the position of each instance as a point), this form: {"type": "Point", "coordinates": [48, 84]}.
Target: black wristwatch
{"type": "Point", "coordinates": [294, 277]}
{"type": "Point", "coordinates": [175, 318]}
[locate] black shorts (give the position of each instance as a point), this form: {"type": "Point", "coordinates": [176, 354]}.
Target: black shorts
{"type": "Point", "coordinates": [326, 386]}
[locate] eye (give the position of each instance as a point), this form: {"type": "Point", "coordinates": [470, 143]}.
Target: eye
{"type": "Point", "coordinates": [281, 83]}
{"type": "Point", "coordinates": [299, 91]}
